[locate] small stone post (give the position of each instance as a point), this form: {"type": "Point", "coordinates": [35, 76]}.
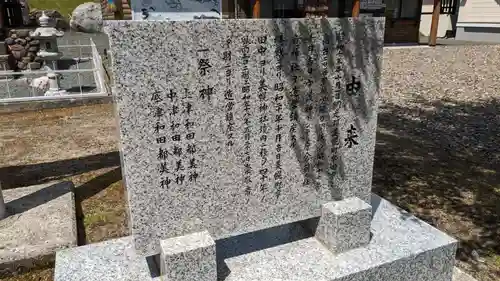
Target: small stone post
{"type": "Point", "coordinates": [3, 211]}
{"type": "Point", "coordinates": [54, 88]}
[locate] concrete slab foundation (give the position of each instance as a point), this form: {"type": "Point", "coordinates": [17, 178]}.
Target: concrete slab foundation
{"type": "Point", "coordinates": [40, 220]}
{"type": "Point", "coordinates": [402, 247]}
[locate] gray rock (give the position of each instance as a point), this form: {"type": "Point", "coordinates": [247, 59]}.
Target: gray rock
{"type": "Point", "coordinates": [16, 47]}
{"type": "Point", "coordinates": [26, 60]}
{"type": "Point", "coordinates": [34, 65]}
{"type": "Point", "coordinates": [33, 48]}
{"type": "Point", "coordinates": [34, 43]}
{"type": "Point", "coordinates": [12, 62]}
{"type": "Point", "coordinates": [87, 17]}
{"type": "Point", "coordinates": [10, 41]}
{"type": "Point", "coordinates": [22, 33]}
{"type": "Point", "coordinates": [20, 41]}
{"type": "Point", "coordinates": [18, 51]}
{"type": "Point", "coordinates": [21, 65]}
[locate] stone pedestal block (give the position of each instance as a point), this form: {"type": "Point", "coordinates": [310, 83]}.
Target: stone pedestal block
{"type": "Point", "coordinates": [402, 248]}
{"type": "Point", "coordinates": [189, 258]}
{"type": "Point", "coordinates": [344, 225]}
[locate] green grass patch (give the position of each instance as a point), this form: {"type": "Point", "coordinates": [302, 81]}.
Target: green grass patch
{"type": "Point", "coordinates": [92, 220]}
{"type": "Point", "coordinates": [65, 7]}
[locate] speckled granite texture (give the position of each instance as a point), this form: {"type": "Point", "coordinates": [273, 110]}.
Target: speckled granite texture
{"type": "Point", "coordinates": [243, 145]}
{"type": "Point", "coordinates": [111, 260]}
{"type": "Point", "coordinates": [344, 224]}
{"type": "Point", "coordinates": [41, 220]}
{"type": "Point", "coordinates": [459, 275]}
{"type": "Point", "coordinates": [189, 258]}
{"type": "Point", "coordinates": [402, 248]}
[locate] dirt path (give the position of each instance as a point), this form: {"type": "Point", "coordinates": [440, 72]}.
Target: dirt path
{"type": "Point", "coordinates": [77, 144]}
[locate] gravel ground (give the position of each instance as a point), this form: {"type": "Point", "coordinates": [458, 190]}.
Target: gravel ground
{"type": "Point", "coordinates": [72, 82]}
{"type": "Point", "coordinates": [437, 152]}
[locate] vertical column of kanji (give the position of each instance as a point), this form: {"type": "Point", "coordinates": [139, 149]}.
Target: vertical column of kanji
{"type": "Point", "coordinates": [336, 53]}
{"type": "Point", "coordinates": [351, 89]}
{"type": "Point", "coordinates": [323, 110]}
{"type": "Point", "coordinates": [204, 96]}
{"type": "Point", "coordinates": [228, 93]}
{"type": "Point", "coordinates": [309, 56]}
{"type": "Point", "coordinates": [278, 107]}
{"type": "Point", "coordinates": [293, 49]}
{"type": "Point", "coordinates": [190, 144]}
{"type": "Point", "coordinates": [161, 139]}
{"type": "Point", "coordinates": [313, 105]}
{"type": "Point", "coordinates": [246, 96]}
{"type": "Point", "coordinates": [298, 93]}
{"type": "Point", "coordinates": [263, 115]}
{"type": "Point", "coordinates": [177, 140]}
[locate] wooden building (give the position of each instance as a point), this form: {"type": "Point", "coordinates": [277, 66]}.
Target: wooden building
{"type": "Point", "coordinates": [402, 16]}
{"type": "Point", "coordinates": [11, 16]}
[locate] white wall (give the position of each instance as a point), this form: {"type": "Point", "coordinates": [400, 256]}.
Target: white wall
{"type": "Point", "coordinates": [479, 20]}
{"type": "Point", "coordinates": [479, 11]}
{"type": "Point", "coordinates": [426, 19]}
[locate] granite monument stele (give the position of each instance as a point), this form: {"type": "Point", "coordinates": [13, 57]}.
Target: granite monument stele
{"type": "Point", "coordinates": [247, 152]}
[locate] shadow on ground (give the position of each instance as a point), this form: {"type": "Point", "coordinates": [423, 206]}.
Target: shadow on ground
{"type": "Point", "coordinates": [443, 165]}
{"type": "Point", "coordinates": [24, 175]}
{"type": "Point", "coordinates": [88, 190]}
{"type": "Point", "coordinates": [99, 198]}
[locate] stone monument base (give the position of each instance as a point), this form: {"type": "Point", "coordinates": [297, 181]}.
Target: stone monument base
{"type": "Point", "coordinates": [40, 220]}
{"type": "Point", "coordinates": [401, 247]}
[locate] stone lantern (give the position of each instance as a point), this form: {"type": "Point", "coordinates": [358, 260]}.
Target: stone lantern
{"type": "Point", "coordinates": [49, 52]}
{"type": "Point", "coordinates": [47, 36]}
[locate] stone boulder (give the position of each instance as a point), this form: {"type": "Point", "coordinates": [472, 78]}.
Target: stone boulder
{"type": "Point", "coordinates": [87, 17]}
{"type": "Point", "coordinates": [56, 19]}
